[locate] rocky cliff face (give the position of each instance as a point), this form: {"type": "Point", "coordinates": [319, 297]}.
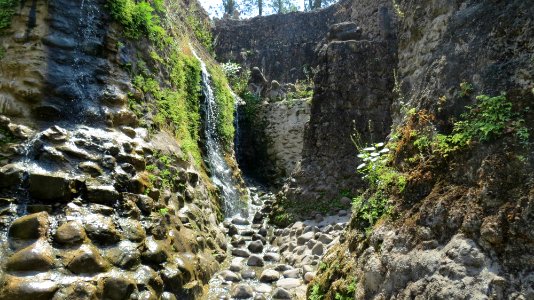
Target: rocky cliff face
{"type": "Point", "coordinates": [270, 148]}
{"type": "Point", "coordinates": [97, 203]}
{"type": "Point", "coordinates": [461, 229]}
{"type": "Point", "coordinates": [282, 45]}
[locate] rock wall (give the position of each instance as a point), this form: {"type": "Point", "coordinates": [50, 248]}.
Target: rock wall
{"type": "Point", "coordinates": [271, 147]}
{"type": "Point", "coordinates": [282, 46]}
{"type": "Point", "coordinates": [94, 205]}
{"type": "Point", "coordinates": [463, 229]}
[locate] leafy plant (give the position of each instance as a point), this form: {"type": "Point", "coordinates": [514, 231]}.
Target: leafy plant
{"type": "Point", "coordinates": [316, 293]}
{"type": "Point", "coordinates": [7, 10]}
{"type": "Point", "coordinates": [163, 211]}
{"type": "Point", "coordinates": [348, 292]}
{"type": "Point", "coordinates": [139, 17]}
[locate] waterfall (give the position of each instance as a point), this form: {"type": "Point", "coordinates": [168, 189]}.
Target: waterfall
{"type": "Point", "coordinates": [221, 174]}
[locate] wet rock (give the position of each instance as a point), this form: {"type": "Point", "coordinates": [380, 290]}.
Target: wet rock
{"type": "Point", "coordinates": [132, 230]}
{"type": "Point", "coordinates": [145, 203]}
{"type": "Point", "coordinates": [241, 291]}
{"type": "Point", "coordinates": [274, 257]}
{"type": "Point", "coordinates": [125, 255]}
{"type": "Point", "coordinates": [288, 283]}
{"type": "Point", "coordinates": [101, 229]}
{"type": "Point", "coordinates": [55, 134]}
{"type": "Point", "coordinates": [147, 277]}
{"type": "Point", "coordinates": [248, 274]}
{"type": "Point", "coordinates": [167, 296]}
{"type": "Point", "coordinates": [10, 177]}
{"type": "Point", "coordinates": [255, 247]}
{"type": "Point", "coordinates": [318, 249]}
{"type": "Point", "coordinates": [240, 253]}
{"type": "Point", "coordinates": [103, 194]}
{"type": "Point", "coordinates": [240, 221]}
{"type": "Point", "coordinates": [78, 291]}
{"type": "Point", "coordinates": [282, 268]}
{"type": "Point", "coordinates": [342, 213]}
{"type": "Point", "coordinates": [269, 276]}
{"type": "Point", "coordinates": [235, 266]}
{"type": "Point", "coordinates": [29, 227]}
{"type": "Point", "coordinates": [257, 237]}
{"type": "Point", "coordinates": [228, 275]}
{"type": "Point", "coordinates": [263, 288]}
{"type": "Point", "coordinates": [301, 240]}
{"type": "Point", "coordinates": [86, 260]}
{"type": "Point", "coordinates": [282, 294]}
{"type": "Point", "coordinates": [258, 218]}
{"type": "Point", "coordinates": [71, 232]}
{"type": "Point", "coordinates": [20, 289]}
{"type": "Point", "coordinates": [36, 257]}
{"type": "Point", "coordinates": [325, 239]}
{"type": "Point", "coordinates": [155, 251]}
{"type": "Point", "coordinates": [309, 276]}
{"type": "Point", "coordinates": [255, 260]}
{"type": "Point", "coordinates": [262, 231]}
{"type": "Point", "coordinates": [50, 186]}
{"type": "Point", "coordinates": [118, 288]}
{"type": "Point", "coordinates": [294, 273]}
{"type": "Point", "coordinates": [91, 168]}
{"type": "Point", "coordinates": [237, 241]}
{"type": "Point", "coordinates": [247, 232]}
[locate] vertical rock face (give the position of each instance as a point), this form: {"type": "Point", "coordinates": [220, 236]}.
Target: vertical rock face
{"type": "Point", "coordinates": [281, 45]}
{"type": "Point", "coordinates": [346, 100]}
{"type": "Point", "coordinates": [92, 206]}
{"type": "Point", "coordinates": [271, 147]}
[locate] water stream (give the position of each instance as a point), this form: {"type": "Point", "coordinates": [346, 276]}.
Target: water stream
{"type": "Point", "coordinates": [221, 173]}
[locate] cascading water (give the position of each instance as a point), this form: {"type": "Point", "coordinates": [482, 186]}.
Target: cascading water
{"type": "Point", "coordinates": [221, 174]}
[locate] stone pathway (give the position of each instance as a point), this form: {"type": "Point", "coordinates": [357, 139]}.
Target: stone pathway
{"type": "Point", "coordinates": [272, 263]}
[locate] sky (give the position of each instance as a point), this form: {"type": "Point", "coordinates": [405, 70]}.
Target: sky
{"type": "Point", "coordinates": [214, 8]}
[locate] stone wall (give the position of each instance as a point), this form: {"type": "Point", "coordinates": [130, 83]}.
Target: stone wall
{"type": "Point", "coordinates": [464, 227]}
{"type": "Point", "coordinates": [271, 147]}
{"type": "Point", "coordinates": [87, 211]}
{"type": "Point", "coordinates": [282, 46]}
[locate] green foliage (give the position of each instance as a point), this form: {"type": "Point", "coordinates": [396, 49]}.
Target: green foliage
{"type": "Point", "coordinates": [465, 89]}
{"type": "Point", "coordinates": [487, 120]}
{"type": "Point", "coordinates": [177, 107]}
{"type": "Point", "coordinates": [282, 219]}
{"type": "Point", "coordinates": [237, 78]}
{"type": "Point", "coordinates": [163, 211]}
{"type": "Point", "coordinates": [226, 104]}
{"type": "Point", "coordinates": [348, 292]}
{"type": "Point", "coordinates": [384, 181]}
{"type": "Point", "coordinates": [139, 17]}
{"type": "Point", "coordinates": [7, 10]}
{"type": "Point", "coordinates": [316, 292]}
{"type": "Point", "coordinates": [303, 89]}
{"type": "Point", "coordinates": [201, 31]}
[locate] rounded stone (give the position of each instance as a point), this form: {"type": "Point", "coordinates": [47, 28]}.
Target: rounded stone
{"type": "Point", "coordinates": [255, 246]}
{"type": "Point", "coordinates": [228, 275]}
{"type": "Point", "coordinates": [269, 276]}
{"type": "Point", "coordinates": [248, 274]}
{"type": "Point", "coordinates": [241, 291]}
{"type": "Point", "coordinates": [70, 233]}
{"type": "Point", "coordinates": [30, 227]}
{"type": "Point", "coordinates": [36, 257]}
{"type": "Point", "coordinates": [282, 294]}
{"type": "Point", "coordinates": [309, 276]}
{"type": "Point", "coordinates": [255, 260]}
{"type": "Point", "coordinates": [86, 260]}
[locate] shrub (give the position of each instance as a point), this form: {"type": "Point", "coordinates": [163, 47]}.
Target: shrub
{"type": "Point", "coordinates": [226, 105]}
{"type": "Point", "coordinates": [7, 10]}
{"type": "Point", "coordinates": [139, 18]}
